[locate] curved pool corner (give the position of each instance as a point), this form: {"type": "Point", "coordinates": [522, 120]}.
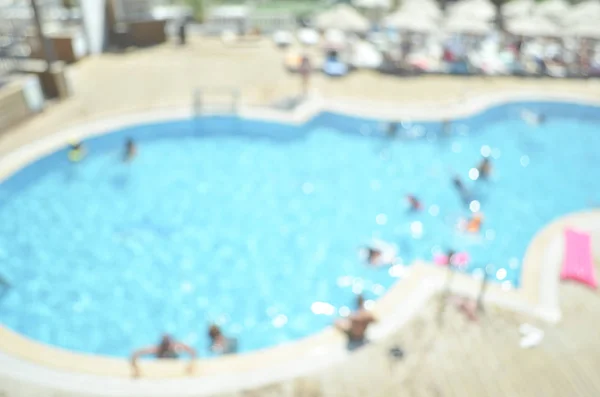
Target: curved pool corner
{"type": "Point", "coordinates": [26, 361]}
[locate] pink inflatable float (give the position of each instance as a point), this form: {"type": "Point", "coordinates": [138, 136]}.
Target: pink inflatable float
{"type": "Point", "coordinates": [460, 259]}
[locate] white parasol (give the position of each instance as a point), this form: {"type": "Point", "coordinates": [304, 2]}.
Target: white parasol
{"type": "Point", "coordinates": [342, 17]}
{"type": "Point", "coordinates": [335, 37]}
{"type": "Point", "coordinates": [518, 8]}
{"type": "Point", "coordinates": [587, 30]}
{"type": "Point", "coordinates": [535, 26]}
{"type": "Point", "coordinates": [481, 10]}
{"type": "Point", "coordinates": [404, 20]}
{"type": "Point", "coordinates": [428, 8]}
{"type": "Point", "coordinates": [366, 56]}
{"type": "Point", "coordinates": [372, 4]}
{"type": "Point", "coordinates": [553, 9]}
{"type": "Point", "coordinates": [467, 26]}
{"type": "Point", "coordinates": [586, 13]}
{"type": "Point", "coordinates": [308, 36]}
{"type": "Point", "coordinates": [283, 38]}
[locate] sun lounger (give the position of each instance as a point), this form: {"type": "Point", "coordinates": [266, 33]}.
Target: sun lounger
{"type": "Point", "coordinates": [578, 264]}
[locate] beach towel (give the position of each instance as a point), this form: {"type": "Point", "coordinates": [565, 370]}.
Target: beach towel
{"type": "Point", "coordinates": [578, 264]}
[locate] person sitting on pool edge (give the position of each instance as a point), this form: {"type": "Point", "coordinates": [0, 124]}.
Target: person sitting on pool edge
{"type": "Point", "coordinates": [130, 151]}
{"type": "Point", "coordinates": [167, 348]}
{"type": "Point", "coordinates": [219, 344]}
{"type": "Point", "coordinates": [485, 168]}
{"type": "Point", "coordinates": [76, 152]}
{"type": "Point", "coordinates": [355, 326]}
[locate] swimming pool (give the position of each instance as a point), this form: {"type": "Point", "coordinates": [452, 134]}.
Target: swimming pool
{"type": "Point", "coordinates": [256, 225]}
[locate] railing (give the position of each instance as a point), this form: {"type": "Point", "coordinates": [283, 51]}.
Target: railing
{"type": "Point", "coordinates": [216, 100]}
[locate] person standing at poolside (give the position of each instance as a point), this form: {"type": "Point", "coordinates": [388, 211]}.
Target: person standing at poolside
{"type": "Point", "coordinates": [355, 326]}
{"type": "Point", "coordinates": [167, 348]}
{"type": "Point", "coordinates": [130, 151]}
{"type": "Point", "coordinates": [305, 71]}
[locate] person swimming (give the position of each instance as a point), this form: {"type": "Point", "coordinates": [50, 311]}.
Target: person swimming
{"type": "Point", "coordinates": [356, 325]}
{"type": "Point", "coordinates": [76, 152]}
{"type": "Point", "coordinates": [465, 195]}
{"type": "Point", "coordinates": [533, 118]}
{"type": "Point", "coordinates": [415, 204]}
{"type": "Point", "coordinates": [446, 127]}
{"type": "Point", "coordinates": [485, 168]}
{"type": "Point", "coordinates": [220, 344]}
{"type": "Point", "coordinates": [474, 223]}
{"type": "Point", "coordinates": [392, 129]}
{"type": "Point", "coordinates": [167, 348]}
{"type": "Point", "coordinates": [130, 150]}
{"type": "Point", "coordinates": [380, 254]}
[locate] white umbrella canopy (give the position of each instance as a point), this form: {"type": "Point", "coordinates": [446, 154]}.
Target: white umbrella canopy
{"type": "Point", "coordinates": [427, 8]}
{"type": "Point", "coordinates": [405, 20]}
{"type": "Point", "coordinates": [366, 56]}
{"type": "Point", "coordinates": [308, 36]}
{"type": "Point", "coordinates": [335, 37]}
{"type": "Point", "coordinates": [518, 8]}
{"type": "Point", "coordinates": [482, 10]}
{"type": "Point", "coordinates": [283, 38]}
{"type": "Point", "coordinates": [588, 30]}
{"type": "Point", "coordinates": [373, 4]}
{"type": "Point", "coordinates": [535, 26]}
{"type": "Point", "coordinates": [467, 26]}
{"type": "Point", "coordinates": [342, 17]}
{"type": "Point", "coordinates": [586, 12]}
{"type": "Point", "coordinates": [553, 9]}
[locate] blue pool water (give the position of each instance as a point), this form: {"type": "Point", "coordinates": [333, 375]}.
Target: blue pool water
{"type": "Point", "coordinates": [248, 224]}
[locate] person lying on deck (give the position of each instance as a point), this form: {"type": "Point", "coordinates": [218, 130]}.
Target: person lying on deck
{"type": "Point", "coordinates": [167, 348]}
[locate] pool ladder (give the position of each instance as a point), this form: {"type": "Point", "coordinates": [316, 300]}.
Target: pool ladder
{"type": "Point", "coordinates": [229, 105]}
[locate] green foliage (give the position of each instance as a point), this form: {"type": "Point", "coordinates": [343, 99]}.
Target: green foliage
{"type": "Point", "coordinates": [197, 7]}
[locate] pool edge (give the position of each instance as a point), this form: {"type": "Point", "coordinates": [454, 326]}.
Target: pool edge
{"type": "Point", "coordinates": [537, 294]}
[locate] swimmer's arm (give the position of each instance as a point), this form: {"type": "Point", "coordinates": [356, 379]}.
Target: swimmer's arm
{"type": "Point", "coordinates": [146, 351]}
{"type": "Point", "coordinates": [189, 350]}
{"type": "Point", "coordinates": [341, 325]}
{"type": "Point", "coordinates": [181, 347]}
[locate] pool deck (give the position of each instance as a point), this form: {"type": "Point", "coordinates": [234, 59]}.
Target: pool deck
{"type": "Point", "coordinates": [455, 358]}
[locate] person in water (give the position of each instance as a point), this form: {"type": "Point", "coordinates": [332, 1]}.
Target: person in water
{"type": "Point", "coordinates": [167, 348]}
{"type": "Point", "coordinates": [446, 126]}
{"type": "Point", "coordinates": [130, 151]}
{"type": "Point", "coordinates": [76, 152]}
{"type": "Point", "coordinates": [380, 254]}
{"type": "Point", "coordinates": [460, 187]}
{"type": "Point", "coordinates": [474, 224]}
{"type": "Point", "coordinates": [485, 168]}
{"type": "Point", "coordinates": [392, 129]}
{"type": "Point", "coordinates": [374, 255]}
{"type": "Point", "coordinates": [355, 326]}
{"type": "Point", "coordinates": [415, 204]}
{"type": "Point", "coordinates": [220, 344]}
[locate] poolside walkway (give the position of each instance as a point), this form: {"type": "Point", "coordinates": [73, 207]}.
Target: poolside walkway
{"type": "Point", "coordinates": [457, 358]}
